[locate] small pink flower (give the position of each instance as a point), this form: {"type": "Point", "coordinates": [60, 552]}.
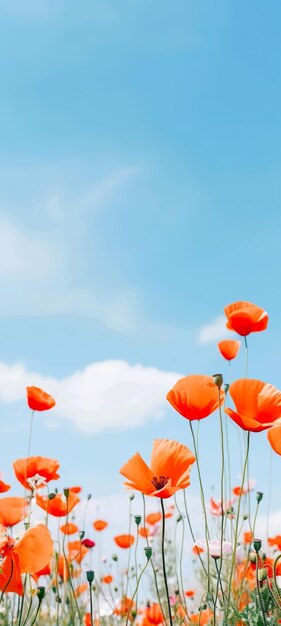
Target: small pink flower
{"type": "Point", "coordinates": [215, 547]}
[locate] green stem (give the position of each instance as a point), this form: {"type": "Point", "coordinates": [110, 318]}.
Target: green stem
{"type": "Point", "coordinates": [136, 591]}
{"type": "Point", "coordinates": [207, 534]}
{"type": "Point", "coordinates": [152, 564]}
{"type": "Point", "coordinates": [164, 565]}
{"type": "Point", "coordinates": [258, 590]}
{"type": "Point", "coordinates": [237, 521]}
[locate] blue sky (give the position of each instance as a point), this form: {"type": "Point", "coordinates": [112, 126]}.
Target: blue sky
{"type": "Point", "coordinates": [140, 194]}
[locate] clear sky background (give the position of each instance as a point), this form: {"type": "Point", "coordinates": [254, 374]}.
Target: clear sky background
{"type": "Point", "coordinates": [140, 193]}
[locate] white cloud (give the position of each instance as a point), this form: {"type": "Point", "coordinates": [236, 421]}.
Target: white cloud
{"type": "Point", "coordinates": [105, 395]}
{"type": "Point", "coordinates": [37, 266]}
{"type": "Point", "coordinates": [214, 331]}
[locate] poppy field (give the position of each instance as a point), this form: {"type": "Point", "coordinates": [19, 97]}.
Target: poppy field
{"type": "Point", "coordinates": [163, 569]}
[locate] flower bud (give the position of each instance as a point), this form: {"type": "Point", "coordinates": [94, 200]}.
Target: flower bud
{"type": "Point", "coordinates": [218, 380]}
{"type": "Point", "coordinates": [148, 552]}
{"type": "Point", "coordinates": [90, 574]}
{"type": "Point", "coordinates": [257, 543]}
{"type": "Point", "coordinates": [138, 519]}
{"type": "Point", "coordinates": [179, 518]}
{"type": "Point", "coordinates": [262, 574]}
{"type": "Point", "coordinates": [225, 388]}
{"type": "Point", "coordinates": [114, 557]}
{"type": "Point", "coordinates": [51, 496]}
{"type": "Point", "coordinates": [131, 496]}
{"type": "Point", "coordinates": [259, 496]}
{"type": "Point", "coordinates": [41, 593]}
{"type": "Point", "coordinates": [66, 493]}
{"type": "Point", "coordinates": [82, 534]}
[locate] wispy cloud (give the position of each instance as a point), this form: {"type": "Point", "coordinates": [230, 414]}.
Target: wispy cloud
{"type": "Point", "coordinates": [105, 395]}
{"type": "Point", "coordinates": [213, 331]}
{"type": "Point", "coordinates": [37, 265]}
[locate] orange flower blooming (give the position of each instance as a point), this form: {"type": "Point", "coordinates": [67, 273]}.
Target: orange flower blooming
{"type": "Point", "coordinates": [275, 541]}
{"type": "Point", "coordinates": [258, 404]}
{"type": "Point", "coordinates": [30, 554]}
{"type": "Point", "coordinates": [125, 605]}
{"type": "Point", "coordinates": [69, 529]}
{"type": "Point", "coordinates": [100, 524]}
{"type": "Point", "coordinates": [202, 618]}
{"type": "Point", "coordinates": [81, 589]}
{"type": "Point", "coordinates": [153, 614]}
{"type": "Point", "coordinates": [153, 518]}
{"type": "Point", "coordinates": [170, 468]}
{"type": "Point", "coordinates": [57, 506]}
{"type": "Point", "coordinates": [143, 532]}
{"type": "Point", "coordinates": [190, 593]}
{"type": "Point", "coordinates": [39, 400]}
{"type": "Point", "coordinates": [229, 349]}
{"type": "Point", "coordinates": [87, 621]}
{"type": "Point", "coordinates": [12, 510]}
{"type": "Point", "coordinates": [36, 471]}
{"type": "Point", "coordinates": [245, 318]}
{"type": "Point", "coordinates": [75, 489]}
{"type": "Point", "coordinates": [195, 397]}
{"type": "Point", "coordinates": [107, 579]}
{"type": "Point", "coordinates": [76, 551]}
{"type": "Point", "coordinates": [124, 541]}
{"type": "Point", "coordinates": [197, 549]}
{"type": "Point", "coordinates": [4, 487]}
{"type": "Point", "coordinates": [274, 437]}
{"type": "Point", "coordinates": [247, 537]}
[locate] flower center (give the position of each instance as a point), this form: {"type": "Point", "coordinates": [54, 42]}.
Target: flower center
{"type": "Point", "coordinates": [159, 482]}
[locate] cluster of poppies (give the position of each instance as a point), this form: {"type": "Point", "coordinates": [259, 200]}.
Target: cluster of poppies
{"type": "Point", "coordinates": [233, 574]}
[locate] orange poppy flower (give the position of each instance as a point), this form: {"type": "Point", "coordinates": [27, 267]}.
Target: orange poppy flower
{"type": "Point", "coordinates": [229, 349]}
{"type": "Point", "coordinates": [76, 551]}
{"type": "Point", "coordinates": [57, 506]}
{"type": "Point", "coordinates": [197, 550]}
{"type": "Point", "coordinates": [247, 537]}
{"type": "Point", "coordinates": [75, 489]}
{"type": "Point", "coordinates": [107, 579]}
{"type": "Point", "coordinates": [69, 529]}
{"type": "Point", "coordinates": [143, 532]}
{"type": "Point", "coordinates": [100, 524]}
{"type": "Point", "coordinates": [245, 318]}
{"type": "Point", "coordinates": [195, 397]}
{"type": "Point", "coordinates": [154, 614]}
{"type": "Point", "coordinates": [170, 468]}
{"type": "Point", "coordinates": [87, 621]}
{"type": "Point", "coordinates": [4, 487]}
{"type": "Point", "coordinates": [30, 554]}
{"type": "Point", "coordinates": [45, 571]}
{"type": "Point", "coordinates": [12, 510]}
{"type": "Point", "coordinates": [36, 471]}
{"type": "Point", "coordinates": [39, 400]}
{"type": "Point", "coordinates": [275, 541]}
{"type": "Point", "coordinates": [125, 605]}
{"type": "Point", "coordinates": [258, 404]}
{"type": "Point", "coordinates": [124, 541]}
{"type": "Point", "coordinates": [274, 437]}
{"type": "Point", "coordinates": [153, 518]}
{"type": "Point", "coordinates": [202, 618]}
{"type": "Point", "coordinates": [81, 589]}
{"type": "Point", "coordinates": [190, 593]}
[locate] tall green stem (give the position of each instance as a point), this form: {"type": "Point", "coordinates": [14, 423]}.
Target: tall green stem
{"type": "Point", "coordinates": [163, 563]}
